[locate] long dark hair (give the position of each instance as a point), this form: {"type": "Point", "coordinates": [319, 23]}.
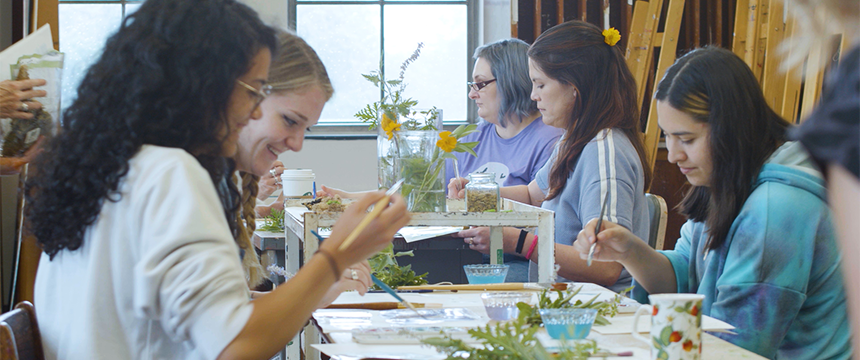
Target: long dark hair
{"type": "Point", "coordinates": [716, 87]}
{"type": "Point", "coordinates": [575, 53]}
{"type": "Point", "coordinates": [165, 78]}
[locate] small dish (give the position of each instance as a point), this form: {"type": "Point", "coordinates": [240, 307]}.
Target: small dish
{"type": "Point", "coordinates": [502, 306]}
{"type": "Point", "coordinates": [486, 273]}
{"type": "Point", "coordinates": [568, 323]}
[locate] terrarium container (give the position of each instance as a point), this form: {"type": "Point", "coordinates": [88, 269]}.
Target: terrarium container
{"type": "Point", "coordinates": [482, 193]}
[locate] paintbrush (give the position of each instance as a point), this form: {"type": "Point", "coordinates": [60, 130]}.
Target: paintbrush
{"type": "Point", "coordinates": [393, 293]}
{"type": "Point", "coordinates": [377, 209]}
{"type": "Point", "coordinates": [457, 176]}
{"type": "Point", "coordinates": [376, 280]}
{"type": "Point", "coordinates": [597, 229]}
{"type": "Point", "coordinates": [382, 306]}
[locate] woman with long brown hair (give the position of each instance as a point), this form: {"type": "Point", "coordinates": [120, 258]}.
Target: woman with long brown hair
{"type": "Point", "coordinates": [758, 242]}
{"type": "Point", "coordinates": [582, 85]}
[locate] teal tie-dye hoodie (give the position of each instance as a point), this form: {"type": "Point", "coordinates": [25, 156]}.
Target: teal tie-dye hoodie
{"type": "Point", "coordinates": [777, 277]}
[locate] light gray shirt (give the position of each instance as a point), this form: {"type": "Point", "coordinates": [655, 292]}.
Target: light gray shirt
{"type": "Point", "coordinates": [608, 164]}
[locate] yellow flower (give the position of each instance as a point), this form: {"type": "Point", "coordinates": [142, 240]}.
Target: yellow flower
{"type": "Point", "coordinates": [611, 36]}
{"type": "Point", "coordinates": [446, 141]}
{"type": "Point", "coordinates": [389, 126]}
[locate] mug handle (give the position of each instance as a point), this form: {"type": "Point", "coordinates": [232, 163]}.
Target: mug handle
{"type": "Point", "coordinates": [648, 309]}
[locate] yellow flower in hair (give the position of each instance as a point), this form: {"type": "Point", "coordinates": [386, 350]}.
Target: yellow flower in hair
{"type": "Point", "coordinates": [611, 36]}
{"type": "Point", "coordinates": [389, 126]}
{"type": "Point", "coordinates": [446, 142]}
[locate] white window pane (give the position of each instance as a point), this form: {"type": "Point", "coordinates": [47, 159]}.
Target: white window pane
{"type": "Point", "coordinates": [130, 8]}
{"type": "Point", "coordinates": [438, 78]}
{"type": "Point", "coordinates": [83, 31]}
{"type": "Point", "coordinates": [347, 40]}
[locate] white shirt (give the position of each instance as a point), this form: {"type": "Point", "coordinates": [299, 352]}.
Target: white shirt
{"type": "Point", "coordinates": [158, 275]}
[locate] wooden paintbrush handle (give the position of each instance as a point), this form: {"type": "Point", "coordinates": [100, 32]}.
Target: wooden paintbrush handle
{"type": "Point", "coordinates": [368, 306]}
{"type": "Point", "coordinates": [503, 286]}
{"type": "Point", "coordinates": [377, 209]}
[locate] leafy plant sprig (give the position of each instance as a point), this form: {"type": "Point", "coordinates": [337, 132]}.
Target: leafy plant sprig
{"type": "Point", "coordinates": [384, 265]}
{"type": "Point", "coordinates": [509, 340]}
{"type": "Point", "coordinates": [274, 222]}
{"type": "Point", "coordinates": [531, 315]}
{"type": "Point", "coordinates": [393, 103]}
{"type": "Point", "coordinates": [428, 172]}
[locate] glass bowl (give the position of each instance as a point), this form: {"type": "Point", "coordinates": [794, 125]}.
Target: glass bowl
{"type": "Point", "coordinates": [486, 273]}
{"type": "Point", "coordinates": [502, 306]}
{"type": "Point", "coordinates": [568, 323]}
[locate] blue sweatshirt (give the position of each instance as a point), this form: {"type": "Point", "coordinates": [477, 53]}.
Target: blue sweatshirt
{"type": "Point", "coordinates": [777, 276]}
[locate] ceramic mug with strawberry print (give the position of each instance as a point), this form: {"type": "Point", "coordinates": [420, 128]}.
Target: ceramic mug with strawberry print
{"type": "Point", "coordinates": [676, 326]}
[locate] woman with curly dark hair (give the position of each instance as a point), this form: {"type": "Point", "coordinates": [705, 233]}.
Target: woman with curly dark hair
{"type": "Point", "coordinates": [133, 206]}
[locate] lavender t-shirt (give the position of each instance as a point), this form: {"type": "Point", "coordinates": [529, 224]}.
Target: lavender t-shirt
{"type": "Point", "coordinates": [515, 161]}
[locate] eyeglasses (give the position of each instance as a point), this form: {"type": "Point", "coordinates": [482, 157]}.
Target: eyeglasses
{"type": "Point", "coordinates": [259, 95]}
{"type": "Point", "coordinates": [477, 86]}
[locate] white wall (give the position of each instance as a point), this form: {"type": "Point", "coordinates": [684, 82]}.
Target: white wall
{"type": "Point", "coordinates": [272, 12]}
{"type": "Point", "coordinates": [345, 164]}
{"type": "Point", "coordinates": [351, 164]}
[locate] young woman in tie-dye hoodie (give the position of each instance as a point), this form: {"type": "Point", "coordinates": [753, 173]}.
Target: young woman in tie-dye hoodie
{"type": "Point", "coordinates": [759, 243]}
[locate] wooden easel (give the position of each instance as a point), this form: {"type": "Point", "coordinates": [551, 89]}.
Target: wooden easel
{"type": "Point", "coordinates": [643, 40]}
{"type": "Point", "coordinates": [761, 27]}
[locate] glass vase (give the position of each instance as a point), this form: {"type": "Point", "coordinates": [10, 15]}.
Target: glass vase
{"type": "Point", "coordinates": [419, 161]}
{"type": "Point", "coordinates": [386, 149]}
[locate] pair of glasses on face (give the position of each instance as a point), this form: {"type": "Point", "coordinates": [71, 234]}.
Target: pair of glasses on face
{"type": "Point", "coordinates": [477, 86]}
{"type": "Point", "coordinates": [259, 95]}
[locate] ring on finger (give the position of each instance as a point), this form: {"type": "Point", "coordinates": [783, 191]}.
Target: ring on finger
{"type": "Point", "coordinates": [25, 106]}
{"type": "Point", "coordinates": [471, 241]}
{"type": "Point", "coordinates": [354, 274]}
{"type": "Point", "coordinates": [272, 171]}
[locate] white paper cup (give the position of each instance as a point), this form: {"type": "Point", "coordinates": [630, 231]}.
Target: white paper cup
{"type": "Point", "coordinates": [299, 183]}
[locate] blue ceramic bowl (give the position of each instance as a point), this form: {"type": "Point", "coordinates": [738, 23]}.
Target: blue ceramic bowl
{"type": "Point", "coordinates": [570, 324]}
{"type": "Point", "coordinates": [486, 274]}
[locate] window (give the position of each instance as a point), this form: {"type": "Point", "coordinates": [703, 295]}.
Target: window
{"type": "Point", "coordinates": [84, 28]}
{"type": "Point", "coordinates": [352, 37]}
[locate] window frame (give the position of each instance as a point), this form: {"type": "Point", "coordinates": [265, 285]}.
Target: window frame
{"type": "Point", "coordinates": [95, 2]}
{"type": "Point", "coordinates": [359, 130]}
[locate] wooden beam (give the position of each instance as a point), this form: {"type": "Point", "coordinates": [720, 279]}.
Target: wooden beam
{"type": "Point", "coordinates": [583, 10]}
{"type": "Point", "coordinates": [813, 80]}
{"type": "Point", "coordinates": [696, 19]}
{"type": "Point", "coordinates": [638, 48]}
{"type": "Point", "coordinates": [739, 34]}
{"type": "Point", "coordinates": [559, 4]}
{"type": "Point", "coordinates": [538, 23]}
{"type": "Point", "coordinates": [667, 57]}
{"type": "Point", "coordinates": [773, 79]}
{"type": "Point", "coordinates": [791, 91]}
{"type": "Point", "coordinates": [845, 44]}
{"type": "Point", "coordinates": [48, 13]}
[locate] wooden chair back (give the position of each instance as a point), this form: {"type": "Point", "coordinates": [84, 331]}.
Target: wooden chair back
{"type": "Point", "coordinates": [19, 334]}
{"type": "Point", "coordinates": [659, 213]}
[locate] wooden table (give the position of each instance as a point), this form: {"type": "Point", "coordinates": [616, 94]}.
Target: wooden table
{"type": "Point", "coordinates": [302, 244]}
{"type": "Point", "coordinates": [340, 342]}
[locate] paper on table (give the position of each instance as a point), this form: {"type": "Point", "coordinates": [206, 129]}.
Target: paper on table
{"type": "Point", "coordinates": [359, 351]}
{"type": "Point", "coordinates": [624, 325]}
{"type": "Point", "coordinates": [417, 233]}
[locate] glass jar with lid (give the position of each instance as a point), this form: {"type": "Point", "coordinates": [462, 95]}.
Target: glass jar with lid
{"type": "Point", "coordinates": [482, 193]}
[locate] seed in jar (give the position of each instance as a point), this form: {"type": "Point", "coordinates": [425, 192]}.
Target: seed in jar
{"type": "Point", "coordinates": [480, 201]}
